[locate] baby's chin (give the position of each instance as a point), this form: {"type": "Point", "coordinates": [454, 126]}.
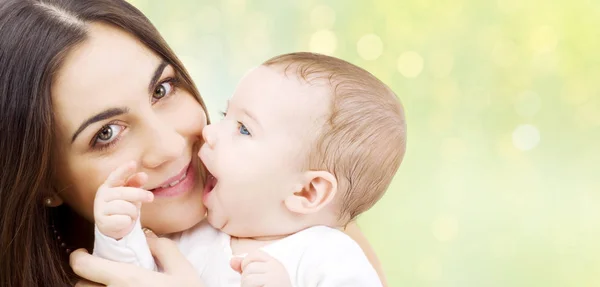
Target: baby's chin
{"type": "Point", "coordinates": [216, 221]}
{"type": "Point", "coordinates": [224, 224]}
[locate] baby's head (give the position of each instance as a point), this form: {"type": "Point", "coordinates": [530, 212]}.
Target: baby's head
{"type": "Point", "coordinates": [307, 140]}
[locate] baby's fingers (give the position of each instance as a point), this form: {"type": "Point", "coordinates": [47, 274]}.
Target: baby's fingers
{"type": "Point", "coordinates": [256, 256]}
{"type": "Point", "coordinates": [121, 207]}
{"type": "Point", "coordinates": [137, 180]}
{"type": "Point", "coordinates": [120, 175]}
{"type": "Point", "coordinates": [115, 225]}
{"type": "Point", "coordinates": [255, 268]}
{"type": "Point", "coordinates": [130, 194]}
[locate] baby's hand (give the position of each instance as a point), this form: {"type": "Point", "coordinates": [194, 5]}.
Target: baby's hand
{"type": "Point", "coordinates": [259, 269]}
{"type": "Point", "coordinates": [119, 199]}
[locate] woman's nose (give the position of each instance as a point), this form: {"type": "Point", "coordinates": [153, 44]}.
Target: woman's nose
{"type": "Point", "coordinates": [210, 136]}
{"type": "Point", "coordinates": [164, 145]}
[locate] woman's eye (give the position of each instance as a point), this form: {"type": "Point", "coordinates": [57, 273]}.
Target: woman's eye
{"type": "Point", "coordinates": [244, 130]}
{"type": "Point", "coordinates": [162, 90]}
{"type": "Point", "coordinates": [108, 133]}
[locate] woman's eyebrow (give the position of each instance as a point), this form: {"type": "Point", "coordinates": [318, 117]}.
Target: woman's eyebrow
{"type": "Point", "coordinates": [157, 73]}
{"type": "Point", "coordinates": [106, 114]}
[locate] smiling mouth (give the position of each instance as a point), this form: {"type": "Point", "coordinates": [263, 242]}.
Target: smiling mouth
{"type": "Point", "coordinates": [180, 183]}
{"type": "Point", "coordinates": [175, 182]}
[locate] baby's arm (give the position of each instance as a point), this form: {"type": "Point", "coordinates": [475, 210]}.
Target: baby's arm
{"type": "Point", "coordinates": [118, 233]}
{"type": "Point", "coordinates": [132, 248]}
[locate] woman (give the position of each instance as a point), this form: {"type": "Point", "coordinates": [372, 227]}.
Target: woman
{"type": "Point", "coordinates": [86, 86]}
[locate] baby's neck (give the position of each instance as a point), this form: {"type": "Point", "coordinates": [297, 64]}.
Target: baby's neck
{"type": "Point", "coordinates": [244, 245]}
{"type": "Point", "coordinates": [247, 245]}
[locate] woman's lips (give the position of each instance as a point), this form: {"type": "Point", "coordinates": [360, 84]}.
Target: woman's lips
{"type": "Point", "coordinates": [179, 184]}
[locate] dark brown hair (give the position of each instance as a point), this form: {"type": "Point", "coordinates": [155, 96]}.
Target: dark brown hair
{"type": "Point", "coordinates": [363, 139]}
{"type": "Point", "coordinates": [35, 37]}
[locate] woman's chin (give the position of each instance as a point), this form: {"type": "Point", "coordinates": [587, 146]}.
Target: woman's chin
{"type": "Point", "coordinates": [166, 227]}
{"type": "Point", "coordinates": [173, 218]}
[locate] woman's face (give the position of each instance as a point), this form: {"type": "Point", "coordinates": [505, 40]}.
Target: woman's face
{"type": "Point", "coordinates": [116, 101]}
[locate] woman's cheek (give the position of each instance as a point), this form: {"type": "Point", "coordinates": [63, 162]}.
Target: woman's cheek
{"type": "Point", "coordinates": [195, 118]}
{"type": "Point", "coordinates": [84, 181]}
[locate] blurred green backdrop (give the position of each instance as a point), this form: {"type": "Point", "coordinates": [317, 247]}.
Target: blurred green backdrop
{"type": "Point", "coordinates": [500, 183]}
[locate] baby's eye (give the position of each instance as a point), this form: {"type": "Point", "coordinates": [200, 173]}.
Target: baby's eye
{"type": "Point", "coordinates": [244, 130]}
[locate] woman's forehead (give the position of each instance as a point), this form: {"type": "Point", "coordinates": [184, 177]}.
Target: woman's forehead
{"type": "Point", "coordinates": [109, 68]}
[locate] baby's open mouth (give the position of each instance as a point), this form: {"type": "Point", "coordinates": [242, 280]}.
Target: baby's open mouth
{"type": "Point", "coordinates": [211, 182]}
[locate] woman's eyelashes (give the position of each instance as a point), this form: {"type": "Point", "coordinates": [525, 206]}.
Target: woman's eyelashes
{"type": "Point", "coordinates": [164, 89]}
{"type": "Point", "coordinates": [107, 136]}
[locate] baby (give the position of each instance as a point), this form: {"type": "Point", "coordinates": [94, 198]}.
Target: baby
{"type": "Point", "coordinates": [308, 143]}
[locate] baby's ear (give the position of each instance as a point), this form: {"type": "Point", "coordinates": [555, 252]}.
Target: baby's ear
{"type": "Point", "coordinates": [316, 191]}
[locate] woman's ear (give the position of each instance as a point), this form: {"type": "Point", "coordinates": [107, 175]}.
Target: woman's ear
{"type": "Point", "coordinates": [316, 191]}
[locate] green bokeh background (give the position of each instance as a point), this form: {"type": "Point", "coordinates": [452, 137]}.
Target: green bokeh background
{"type": "Point", "coordinates": [500, 184]}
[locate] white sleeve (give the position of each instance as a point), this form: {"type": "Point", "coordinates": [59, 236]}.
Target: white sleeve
{"type": "Point", "coordinates": [132, 248]}
{"type": "Point", "coordinates": [339, 262]}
